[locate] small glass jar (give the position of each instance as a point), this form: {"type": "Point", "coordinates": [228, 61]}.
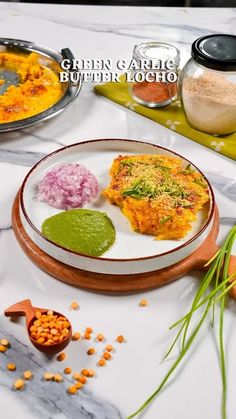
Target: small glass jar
{"type": "Point", "coordinates": [208, 85]}
{"type": "Point", "coordinates": [150, 82]}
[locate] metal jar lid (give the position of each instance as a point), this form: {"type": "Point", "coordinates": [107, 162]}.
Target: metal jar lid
{"type": "Point", "coordinates": [52, 59]}
{"type": "Point", "coordinates": [156, 51]}
{"type": "Point", "coordinates": [217, 52]}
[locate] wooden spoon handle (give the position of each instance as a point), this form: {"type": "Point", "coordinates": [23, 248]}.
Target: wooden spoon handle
{"type": "Point", "coordinates": [22, 308]}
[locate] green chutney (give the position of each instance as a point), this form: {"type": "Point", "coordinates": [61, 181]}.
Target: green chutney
{"type": "Point", "coordinates": [81, 230]}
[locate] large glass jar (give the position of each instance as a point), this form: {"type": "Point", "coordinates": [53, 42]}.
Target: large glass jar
{"type": "Point", "coordinates": [153, 84]}
{"type": "Point", "coordinates": [208, 85]}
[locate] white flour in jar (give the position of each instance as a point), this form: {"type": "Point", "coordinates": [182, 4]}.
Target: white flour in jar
{"type": "Point", "coordinates": [210, 103]}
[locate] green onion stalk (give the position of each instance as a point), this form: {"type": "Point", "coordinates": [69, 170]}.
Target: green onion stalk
{"type": "Point", "coordinates": [213, 289]}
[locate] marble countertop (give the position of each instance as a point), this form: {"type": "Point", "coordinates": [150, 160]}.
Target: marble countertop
{"type": "Point", "coordinates": [120, 387]}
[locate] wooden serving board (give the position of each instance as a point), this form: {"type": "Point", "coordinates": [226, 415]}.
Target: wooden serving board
{"type": "Point", "coordinates": [119, 284]}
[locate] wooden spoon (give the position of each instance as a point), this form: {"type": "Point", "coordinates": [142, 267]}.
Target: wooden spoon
{"type": "Point", "coordinates": [25, 308]}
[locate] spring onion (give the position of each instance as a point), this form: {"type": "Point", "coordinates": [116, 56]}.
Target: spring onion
{"type": "Point", "coordinates": [214, 288]}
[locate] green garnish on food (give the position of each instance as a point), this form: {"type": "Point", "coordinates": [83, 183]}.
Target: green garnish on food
{"type": "Point", "coordinates": [200, 183]}
{"type": "Point", "coordinates": [127, 162]}
{"type": "Point", "coordinates": [211, 290]}
{"type": "Point", "coordinates": [187, 170]}
{"type": "Point", "coordinates": [81, 230]}
{"type": "Point", "coordinates": [144, 189]}
{"type": "Point", "coordinates": [140, 189]}
{"type": "Point", "coordinates": [160, 166]}
{"type": "Point", "coordinates": [166, 219]}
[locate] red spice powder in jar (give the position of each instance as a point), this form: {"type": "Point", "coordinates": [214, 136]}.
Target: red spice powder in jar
{"type": "Point", "coordinates": [156, 92]}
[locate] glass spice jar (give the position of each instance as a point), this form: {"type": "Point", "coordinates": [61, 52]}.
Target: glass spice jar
{"type": "Point", "coordinates": [150, 82]}
{"type": "Point", "coordinates": [208, 85]}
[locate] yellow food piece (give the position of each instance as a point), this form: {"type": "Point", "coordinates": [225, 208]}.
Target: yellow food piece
{"type": "Point", "coordinates": [107, 355]}
{"type": "Point", "coordinates": [11, 367]}
{"type": "Point", "coordinates": [157, 194]}
{"type": "Point", "coordinates": [72, 390]}
{"type": "Point", "coordinates": [143, 303]}
{"type": "Point", "coordinates": [5, 342]}
{"type": "Point", "coordinates": [76, 336]}
{"type": "Point", "coordinates": [87, 336]}
{"type": "Point", "coordinates": [120, 339]}
{"type": "Point", "coordinates": [91, 373]}
{"type": "Point", "coordinates": [82, 379]}
{"type": "Point", "coordinates": [79, 385]}
{"type": "Point", "coordinates": [27, 375]}
{"type": "Point", "coordinates": [3, 348]}
{"type": "Point", "coordinates": [91, 351]}
{"type": "Point", "coordinates": [61, 356]}
{"type": "Point", "coordinates": [39, 87]}
{"type": "Point", "coordinates": [58, 378]}
{"type": "Point", "coordinates": [101, 362]}
{"type": "Point", "coordinates": [74, 305]}
{"type": "Point", "coordinates": [67, 370]}
{"type": "Point", "coordinates": [48, 376]}
{"type": "Point", "coordinates": [85, 372]}
{"type": "Point", "coordinates": [109, 348]}
{"type": "Point", "coordinates": [100, 337]}
{"type": "Point", "coordinates": [19, 384]}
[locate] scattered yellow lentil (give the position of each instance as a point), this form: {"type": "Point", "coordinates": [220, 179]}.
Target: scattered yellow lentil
{"type": "Point", "coordinates": [11, 367]}
{"type": "Point", "coordinates": [58, 378]}
{"type": "Point", "coordinates": [76, 336]}
{"type": "Point", "coordinates": [48, 376]}
{"type": "Point", "coordinates": [27, 375]}
{"type": "Point", "coordinates": [67, 370]}
{"type": "Point", "coordinates": [143, 303]}
{"type": "Point", "coordinates": [100, 337]}
{"type": "Point", "coordinates": [74, 305]}
{"type": "Point", "coordinates": [83, 380]}
{"type": "Point", "coordinates": [120, 339]}
{"type": "Point", "coordinates": [3, 348]}
{"type": "Point", "coordinates": [78, 385]}
{"type": "Point", "coordinates": [91, 351]}
{"type": "Point", "coordinates": [5, 342]}
{"type": "Point", "coordinates": [89, 330]}
{"type": "Point", "coordinates": [72, 390]}
{"type": "Point", "coordinates": [61, 356]}
{"type": "Point", "coordinates": [76, 376]}
{"type": "Point", "coordinates": [109, 348]}
{"type": "Point", "coordinates": [107, 355]}
{"type": "Point", "coordinates": [86, 336]}
{"type": "Point", "coordinates": [85, 372]}
{"type": "Point", "coordinates": [91, 373]}
{"type": "Point", "coordinates": [101, 362]}
{"type": "Point", "coordinates": [19, 384]}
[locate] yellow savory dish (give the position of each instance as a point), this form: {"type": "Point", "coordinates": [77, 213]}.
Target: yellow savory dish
{"type": "Point", "coordinates": [157, 194]}
{"type": "Point", "coordinates": [37, 90]}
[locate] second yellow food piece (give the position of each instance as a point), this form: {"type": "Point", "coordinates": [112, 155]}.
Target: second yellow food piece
{"type": "Point", "coordinates": [19, 384]}
{"type": "Point", "coordinates": [157, 194]}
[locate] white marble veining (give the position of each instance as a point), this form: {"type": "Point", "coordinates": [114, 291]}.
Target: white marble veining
{"type": "Point", "coordinates": [135, 371]}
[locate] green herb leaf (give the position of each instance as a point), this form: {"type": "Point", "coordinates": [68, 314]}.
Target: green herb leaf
{"type": "Point", "coordinates": [220, 261]}
{"type": "Point", "coordinates": [200, 183]}
{"type": "Point", "coordinates": [166, 219]}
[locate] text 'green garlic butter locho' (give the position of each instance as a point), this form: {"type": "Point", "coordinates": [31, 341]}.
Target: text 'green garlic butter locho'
{"type": "Point", "coordinates": [83, 231]}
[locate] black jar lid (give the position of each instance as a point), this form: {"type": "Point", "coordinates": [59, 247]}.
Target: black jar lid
{"type": "Point", "coordinates": [215, 51]}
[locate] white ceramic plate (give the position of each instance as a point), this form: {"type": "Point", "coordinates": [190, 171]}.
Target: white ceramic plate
{"type": "Point", "coordinates": [131, 252]}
